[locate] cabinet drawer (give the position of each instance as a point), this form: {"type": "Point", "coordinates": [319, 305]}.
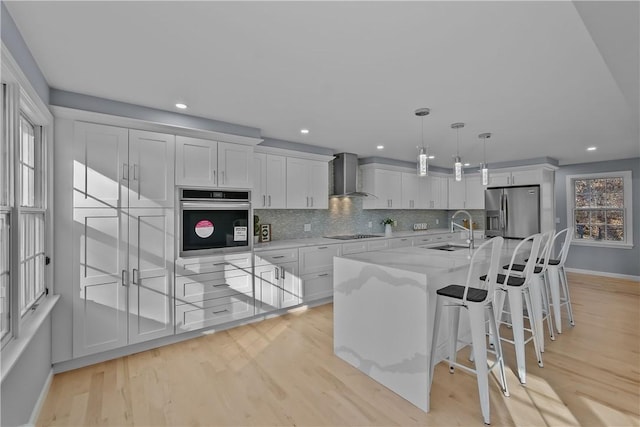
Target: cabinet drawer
{"type": "Point", "coordinates": [276, 256]}
{"type": "Point", "coordinates": [317, 259]}
{"type": "Point", "coordinates": [354, 248]}
{"type": "Point", "coordinates": [400, 243]}
{"type": "Point", "coordinates": [213, 312]}
{"type": "Point", "coordinates": [423, 240]}
{"type": "Point", "coordinates": [197, 265]}
{"type": "Point", "coordinates": [198, 287]}
{"type": "Point", "coordinates": [377, 245]}
{"type": "Point", "coordinates": [316, 286]}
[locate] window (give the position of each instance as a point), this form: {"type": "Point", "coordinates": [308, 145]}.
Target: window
{"type": "Point", "coordinates": [599, 208]}
{"type": "Point", "coordinates": [5, 215]}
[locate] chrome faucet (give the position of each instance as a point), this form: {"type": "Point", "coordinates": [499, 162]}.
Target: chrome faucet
{"type": "Point", "coordinates": [470, 229]}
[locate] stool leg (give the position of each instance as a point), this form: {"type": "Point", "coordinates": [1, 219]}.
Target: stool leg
{"type": "Point", "coordinates": [535, 290]}
{"type": "Point", "coordinates": [565, 287]}
{"type": "Point", "coordinates": [554, 286]}
{"type": "Point", "coordinates": [515, 305]}
{"type": "Point", "coordinates": [533, 321]}
{"type": "Point", "coordinates": [434, 339]}
{"type": "Point", "coordinates": [498, 349]}
{"type": "Point", "coordinates": [453, 337]}
{"type": "Point", "coordinates": [547, 305]}
{"type": "Point", "coordinates": [478, 336]}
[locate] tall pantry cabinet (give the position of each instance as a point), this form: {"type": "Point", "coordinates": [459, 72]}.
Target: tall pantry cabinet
{"type": "Point", "coordinates": [123, 221]}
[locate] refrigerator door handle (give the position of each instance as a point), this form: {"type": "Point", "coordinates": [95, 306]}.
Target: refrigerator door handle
{"type": "Point", "coordinates": [506, 212]}
{"type": "Point", "coordinates": [501, 218]}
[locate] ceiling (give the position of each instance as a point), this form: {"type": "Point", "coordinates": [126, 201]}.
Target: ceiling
{"type": "Point", "coordinates": [546, 78]}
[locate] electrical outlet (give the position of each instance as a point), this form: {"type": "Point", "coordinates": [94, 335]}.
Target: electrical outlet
{"type": "Point", "coordinates": [437, 221]}
{"type": "Point", "coordinates": [370, 224]}
{"type": "Point", "coordinates": [557, 220]}
{"type": "Point", "coordinates": [307, 227]}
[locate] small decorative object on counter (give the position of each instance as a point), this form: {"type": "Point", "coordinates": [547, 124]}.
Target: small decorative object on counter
{"type": "Point", "coordinates": [256, 229]}
{"type": "Point", "coordinates": [388, 222]}
{"type": "Point", "coordinates": [265, 232]}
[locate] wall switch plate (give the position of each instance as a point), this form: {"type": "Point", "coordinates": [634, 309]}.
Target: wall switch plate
{"type": "Point", "coordinates": [307, 227]}
{"type": "Point", "coordinates": [370, 224]}
{"type": "Point", "coordinates": [437, 221]}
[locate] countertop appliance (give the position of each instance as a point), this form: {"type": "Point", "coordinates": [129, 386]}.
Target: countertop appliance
{"type": "Point", "coordinates": [353, 236]}
{"type": "Point", "coordinates": [213, 221]}
{"type": "Point", "coordinates": [512, 212]}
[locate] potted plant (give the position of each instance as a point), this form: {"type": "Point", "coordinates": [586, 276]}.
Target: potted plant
{"type": "Point", "coordinates": [388, 222]}
{"type": "Point", "coordinates": [256, 229]}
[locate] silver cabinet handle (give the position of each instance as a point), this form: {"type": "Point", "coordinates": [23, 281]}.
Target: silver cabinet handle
{"type": "Point", "coordinates": [269, 200]}
{"type": "Point", "coordinates": [264, 200]}
{"type": "Point", "coordinates": [220, 285]}
{"type": "Point", "coordinates": [307, 201]}
{"type": "Point", "coordinates": [220, 311]}
{"type": "Point", "coordinates": [223, 178]}
{"type": "Point", "coordinates": [322, 247]}
{"type": "Point", "coordinates": [125, 172]}
{"type": "Point", "coordinates": [135, 172]}
{"type": "Point", "coordinates": [215, 177]}
{"type": "Point", "coordinates": [283, 272]}
{"type": "Point", "coordinates": [124, 278]}
{"type": "Point", "coordinates": [311, 201]}
{"type": "Point", "coordinates": [277, 273]}
{"type": "Point", "coordinates": [134, 276]}
{"type": "Point", "coordinates": [219, 263]}
{"type": "Point", "coordinates": [323, 275]}
{"type": "Point", "coordinates": [277, 256]}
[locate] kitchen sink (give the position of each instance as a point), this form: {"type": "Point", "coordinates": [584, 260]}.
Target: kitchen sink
{"type": "Point", "coordinates": [449, 247]}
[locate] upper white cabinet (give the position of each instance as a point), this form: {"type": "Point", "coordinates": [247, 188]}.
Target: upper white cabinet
{"type": "Point", "coordinates": [516, 177]}
{"type": "Point", "coordinates": [119, 168]}
{"type": "Point", "coordinates": [385, 184]}
{"type": "Point", "coordinates": [438, 192]}
{"type": "Point", "coordinates": [206, 163]}
{"type": "Point", "coordinates": [307, 184]}
{"type": "Point", "coordinates": [410, 191]}
{"type": "Point", "coordinates": [270, 175]}
{"type": "Point", "coordinates": [466, 194]}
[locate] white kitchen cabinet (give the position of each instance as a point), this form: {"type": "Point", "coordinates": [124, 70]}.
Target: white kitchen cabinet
{"type": "Point", "coordinates": [206, 163]}
{"type": "Point", "coordinates": [438, 192]}
{"type": "Point", "coordinates": [502, 178]}
{"type": "Point", "coordinates": [318, 285]}
{"type": "Point", "coordinates": [316, 270]}
{"type": "Point", "coordinates": [410, 193]}
{"type": "Point", "coordinates": [386, 185]}
{"type": "Point", "coordinates": [211, 312]}
{"type": "Point", "coordinates": [277, 281]}
{"type": "Point", "coordinates": [377, 245]}
{"type": "Point", "coordinates": [119, 168]}
{"type": "Point", "coordinates": [457, 193]}
{"type": "Point", "coordinates": [125, 277]}
{"type": "Point", "coordinates": [474, 192]}
{"type": "Point", "coordinates": [400, 242]}
{"type": "Point", "coordinates": [354, 247]}
{"type": "Point", "coordinates": [307, 184]}
{"type": "Point", "coordinates": [270, 172]}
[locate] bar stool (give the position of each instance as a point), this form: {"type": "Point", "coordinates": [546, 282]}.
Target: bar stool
{"type": "Point", "coordinates": [476, 300]}
{"type": "Point", "coordinates": [518, 286]}
{"type": "Point", "coordinates": [540, 284]}
{"type": "Point", "coordinates": [558, 280]}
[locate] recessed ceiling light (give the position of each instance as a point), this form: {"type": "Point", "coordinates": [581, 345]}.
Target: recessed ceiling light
{"type": "Point", "coordinates": [380, 147]}
{"type": "Point", "coordinates": [592, 148]}
{"type": "Point", "coordinates": [431, 157]}
{"type": "Point", "coordinates": [304, 131]}
{"type": "Point", "coordinates": [467, 164]}
{"type": "Point", "coordinates": [181, 105]}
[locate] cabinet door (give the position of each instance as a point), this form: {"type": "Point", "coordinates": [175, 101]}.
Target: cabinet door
{"type": "Point", "coordinates": [424, 193]}
{"type": "Point", "coordinates": [151, 266]}
{"type": "Point", "coordinates": [234, 163]}
{"type": "Point", "coordinates": [196, 162]}
{"type": "Point", "coordinates": [409, 185]}
{"type": "Point", "coordinates": [267, 278]}
{"type": "Point", "coordinates": [456, 193]}
{"type": "Point", "coordinates": [526, 177]}
{"type": "Point", "coordinates": [276, 182]}
{"type": "Point", "coordinates": [318, 184]}
{"type": "Point", "coordinates": [390, 185]}
{"type": "Point", "coordinates": [151, 158]}
{"type": "Point", "coordinates": [316, 259]}
{"type": "Point", "coordinates": [297, 183]}
{"type": "Point", "coordinates": [474, 192]}
{"type": "Point", "coordinates": [317, 286]}
{"type": "Point", "coordinates": [99, 302]}
{"type": "Point", "coordinates": [499, 179]}
{"type": "Point", "coordinates": [402, 242]}
{"type": "Point", "coordinates": [443, 188]}
{"type": "Point", "coordinates": [100, 166]}
{"type": "Point", "coordinates": [259, 193]}
{"type": "Point", "coordinates": [291, 291]}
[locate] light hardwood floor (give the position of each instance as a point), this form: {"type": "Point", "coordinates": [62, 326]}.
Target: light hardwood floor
{"type": "Point", "coordinates": [283, 372]}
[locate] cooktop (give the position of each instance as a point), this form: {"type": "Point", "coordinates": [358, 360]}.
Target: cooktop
{"type": "Point", "coordinates": [353, 236]}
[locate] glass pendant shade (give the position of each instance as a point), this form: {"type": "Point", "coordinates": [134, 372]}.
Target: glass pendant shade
{"type": "Point", "coordinates": [423, 163]}
{"type": "Point", "coordinates": [485, 174]}
{"type": "Point", "coordinates": [458, 168]}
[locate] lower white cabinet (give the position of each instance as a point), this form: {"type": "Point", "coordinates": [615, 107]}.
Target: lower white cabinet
{"type": "Point", "coordinates": [213, 290]}
{"type": "Point", "coordinates": [276, 280]}
{"type": "Point", "coordinates": [316, 270]}
{"type": "Point", "coordinates": [400, 242]}
{"type": "Point", "coordinates": [318, 285]}
{"type": "Point", "coordinates": [123, 276]}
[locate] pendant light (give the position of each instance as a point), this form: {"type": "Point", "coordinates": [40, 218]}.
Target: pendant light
{"type": "Point", "coordinates": [457, 163]}
{"type": "Point", "coordinates": [423, 157]}
{"type": "Point", "coordinates": [484, 169]}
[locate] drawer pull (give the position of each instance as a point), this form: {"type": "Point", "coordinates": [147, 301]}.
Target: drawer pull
{"type": "Point", "coordinates": [322, 247]}
{"type": "Point", "coordinates": [323, 275]}
{"type": "Point", "coordinates": [220, 311]}
{"type": "Point", "coordinates": [278, 256]}
{"type": "Point", "coordinates": [221, 285]}
{"type": "Point", "coordinates": [219, 263]}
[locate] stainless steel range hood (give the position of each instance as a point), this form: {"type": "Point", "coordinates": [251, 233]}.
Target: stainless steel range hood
{"type": "Point", "coordinates": [345, 176]}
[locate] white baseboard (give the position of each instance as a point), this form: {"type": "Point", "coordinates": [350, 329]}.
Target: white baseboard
{"type": "Point", "coordinates": [604, 273]}
{"type": "Point", "coordinates": [33, 419]}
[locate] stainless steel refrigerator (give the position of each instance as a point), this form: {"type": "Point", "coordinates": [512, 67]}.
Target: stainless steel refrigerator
{"type": "Point", "coordinates": [512, 212]}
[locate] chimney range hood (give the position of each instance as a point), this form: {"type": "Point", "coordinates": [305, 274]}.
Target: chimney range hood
{"type": "Point", "coordinates": [345, 173]}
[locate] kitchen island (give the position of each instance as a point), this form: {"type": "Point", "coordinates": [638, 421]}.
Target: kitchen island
{"type": "Point", "coordinates": [384, 303]}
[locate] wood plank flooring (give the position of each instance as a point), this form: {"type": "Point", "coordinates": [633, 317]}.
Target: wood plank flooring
{"type": "Point", "coordinates": [282, 372]}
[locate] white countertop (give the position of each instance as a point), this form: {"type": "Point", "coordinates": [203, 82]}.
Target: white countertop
{"type": "Point", "coordinates": [313, 241]}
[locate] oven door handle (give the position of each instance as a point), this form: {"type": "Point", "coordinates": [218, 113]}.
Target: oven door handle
{"type": "Point", "coordinates": [214, 206]}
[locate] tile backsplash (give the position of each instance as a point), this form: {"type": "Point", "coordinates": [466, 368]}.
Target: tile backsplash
{"type": "Point", "coordinates": [346, 216]}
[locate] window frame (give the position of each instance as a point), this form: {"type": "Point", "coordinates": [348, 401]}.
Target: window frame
{"type": "Point", "coordinates": [627, 180]}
